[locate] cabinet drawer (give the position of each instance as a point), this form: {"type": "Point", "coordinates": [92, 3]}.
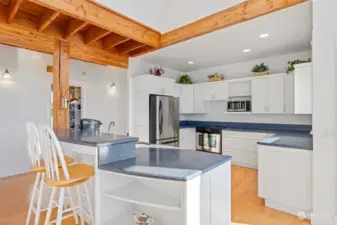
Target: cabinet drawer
{"type": "Point", "coordinates": [237, 156]}
{"type": "Point", "coordinates": [234, 143]}
{"type": "Point", "coordinates": [251, 145]}
{"type": "Point", "coordinates": [245, 135]}
{"type": "Point", "coordinates": [251, 158]}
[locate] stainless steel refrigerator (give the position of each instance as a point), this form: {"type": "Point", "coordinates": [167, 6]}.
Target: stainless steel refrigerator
{"type": "Point", "coordinates": [164, 120]}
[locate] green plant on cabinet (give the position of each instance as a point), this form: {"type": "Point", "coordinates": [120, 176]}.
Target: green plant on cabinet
{"type": "Point", "coordinates": [185, 79]}
{"type": "Point", "coordinates": [294, 62]}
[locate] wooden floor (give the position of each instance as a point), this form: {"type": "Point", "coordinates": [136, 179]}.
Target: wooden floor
{"type": "Point", "coordinates": [247, 208]}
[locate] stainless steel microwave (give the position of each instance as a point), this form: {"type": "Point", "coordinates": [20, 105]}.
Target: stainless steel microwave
{"type": "Point", "coordinates": [239, 106]}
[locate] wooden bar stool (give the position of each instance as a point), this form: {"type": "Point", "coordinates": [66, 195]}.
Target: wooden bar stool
{"type": "Point", "coordinates": [37, 165]}
{"type": "Point", "coordinates": [63, 177]}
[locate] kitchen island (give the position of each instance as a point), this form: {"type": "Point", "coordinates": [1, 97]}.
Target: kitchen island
{"type": "Point", "coordinates": [173, 186]}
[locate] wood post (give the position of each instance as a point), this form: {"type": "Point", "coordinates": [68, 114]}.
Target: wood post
{"type": "Point", "coordinates": [60, 84]}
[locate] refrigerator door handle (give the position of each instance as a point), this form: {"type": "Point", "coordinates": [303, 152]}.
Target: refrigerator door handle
{"type": "Point", "coordinates": [160, 117]}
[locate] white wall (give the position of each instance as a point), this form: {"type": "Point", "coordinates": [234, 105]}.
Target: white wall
{"type": "Point", "coordinates": [215, 110]}
{"type": "Point", "coordinates": [324, 112]}
{"type": "Point", "coordinates": [26, 97]}
{"type": "Point", "coordinates": [277, 64]}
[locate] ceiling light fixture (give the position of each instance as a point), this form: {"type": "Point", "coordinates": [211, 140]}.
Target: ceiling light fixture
{"type": "Point", "coordinates": [190, 62]}
{"type": "Point", "coordinates": [264, 35]}
{"type": "Point", "coordinates": [246, 50]}
{"type": "Point", "coordinates": [6, 75]}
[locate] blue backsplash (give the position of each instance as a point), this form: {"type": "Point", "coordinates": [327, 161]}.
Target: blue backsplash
{"type": "Point", "coordinates": [253, 126]}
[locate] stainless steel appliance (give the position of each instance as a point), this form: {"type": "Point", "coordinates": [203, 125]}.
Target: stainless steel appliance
{"type": "Point", "coordinates": [91, 125]}
{"type": "Point", "coordinates": [239, 106]}
{"type": "Point", "coordinates": [164, 120]}
{"type": "Point", "coordinates": [209, 139]}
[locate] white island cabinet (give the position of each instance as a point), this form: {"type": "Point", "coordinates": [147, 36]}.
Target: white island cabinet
{"type": "Point", "coordinates": [172, 186]}
{"type": "Point", "coordinates": [285, 178]}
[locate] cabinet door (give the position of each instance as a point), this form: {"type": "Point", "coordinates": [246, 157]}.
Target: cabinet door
{"type": "Point", "coordinates": [303, 88]}
{"type": "Point", "coordinates": [284, 175]}
{"type": "Point", "coordinates": [199, 98]}
{"type": "Point", "coordinates": [215, 91]}
{"type": "Point", "coordinates": [289, 93]}
{"type": "Point", "coordinates": [275, 94]}
{"type": "Point", "coordinates": [259, 95]}
{"type": "Point", "coordinates": [186, 99]}
{"type": "Point", "coordinates": [187, 138]}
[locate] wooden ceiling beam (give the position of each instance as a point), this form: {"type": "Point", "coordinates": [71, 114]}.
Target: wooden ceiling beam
{"type": "Point", "coordinates": [73, 27]}
{"type": "Point", "coordinates": [245, 11]}
{"type": "Point", "coordinates": [101, 16]}
{"type": "Point", "coordinates": [141, 51]}
{"type": "Point", "coordinates": [47, 19]}
{"type": "Point", "coordinates": [13, 8]}
{"type": "Point", "coordinates": [113, 40]}
{"type": "Point", "coordinates": [129, 46]}
{"type": "Point", "coordinates": [93, 34]}
{"type": "Point", "coordinates": [23, 33]}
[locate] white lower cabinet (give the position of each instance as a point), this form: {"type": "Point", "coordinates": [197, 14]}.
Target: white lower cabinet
{"type": "Point", "coordinates": [187, 138]}
{"type": "Point", "coordinates": [285, 178]}
{"type": "Point", "coordinates": [242, 146]}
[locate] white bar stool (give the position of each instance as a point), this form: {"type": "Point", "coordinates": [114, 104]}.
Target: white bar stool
{"type": "Point", "coordinates": [37, 165]}
{"type": "Point", "coordinates": [63, 177]}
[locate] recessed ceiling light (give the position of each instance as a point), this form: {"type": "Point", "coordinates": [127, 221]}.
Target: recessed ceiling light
{"type": "Point", "coordinates": [191, 62]}
{"type": "Point", "coordinates": [246, 50]}
{"type": "Point", "coordinates": [264, 35]}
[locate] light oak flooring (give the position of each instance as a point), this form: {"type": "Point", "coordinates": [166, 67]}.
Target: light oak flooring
{"type": "Point", "coordinates": [247, 207]}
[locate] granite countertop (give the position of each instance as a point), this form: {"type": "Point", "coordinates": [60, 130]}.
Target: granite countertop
{"type": "Point", "coordinates": [296, 140]}
{"type": "Point", "coordinates": [77, 136]}
{"type": "Point", "coordinates": [171, 164]}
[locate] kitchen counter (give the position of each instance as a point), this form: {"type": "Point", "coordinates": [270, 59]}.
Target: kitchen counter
{"type": "Point", "coordinates": [171, 164]}
{"type": "Point", "coordinates": [296, 140]}
{"type": "Point", "coordinates": [77, 136]}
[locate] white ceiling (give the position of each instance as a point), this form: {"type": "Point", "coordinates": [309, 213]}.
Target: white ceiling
{"type": "Point", "coordinates": [166, 15]}
{"type": "Point", "coordinates": [289, 31]}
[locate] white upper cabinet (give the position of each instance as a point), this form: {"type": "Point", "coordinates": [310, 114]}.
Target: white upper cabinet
{"type": "Point", "coordinates": [275, 94]}
{"type": "Point", "coordinates": [259, 95]}
{"type": "Point", "coordinates": [215, 91]}
{"type": "Point", "coordinates": [155, 85]}
{"type": "Point", "coordinates": [267, 94]}
{"type": "Point", "coordinates": [288, 93]}
{"type": "Point", "coordinates": [303, 88]}
{"type": "Point", "coordinates": [186, 98]}
{"type": "Point", "coordinates": [199, 98]}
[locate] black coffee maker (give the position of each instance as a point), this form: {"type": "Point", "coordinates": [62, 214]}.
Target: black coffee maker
{"type": "Point", "coordinates": [91, 125]}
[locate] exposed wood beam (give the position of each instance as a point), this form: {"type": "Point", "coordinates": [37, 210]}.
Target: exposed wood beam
{"type": "Point", "coordinates": [47, 19]}
{"type": "Point", "coordinates": [245, 11]}
{"type": "Point", "coordinates": [23, 33]}
{"type": "Point", "coordinates": [93, 34]}
{"type": "Point", "coordinates": [73, 27]}
{"type": "Point", "coordinates": [141, 51]}
{"type": "Point", "coordinates": [129, 46]}
{"type": "Point", "coordinates": [103, 17]}
{"type": "Point", "coordinates": [113, 40]}
{"type": "Point", "coordinates": [14, 6]}
{"type": "Point", "coordinates": [60, 83]}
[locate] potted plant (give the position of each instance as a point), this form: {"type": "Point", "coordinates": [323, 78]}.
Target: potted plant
{"type": "Point", "coordinates": [260, 70]}
{"type": "Point", "coordinates": [215, 77]}
{"type": "Point", "coordinates": [185, 79]}
{"type": "Point", "coordinates": [294, 62]}
{"type": "Point", "coordinates": [157, 70]}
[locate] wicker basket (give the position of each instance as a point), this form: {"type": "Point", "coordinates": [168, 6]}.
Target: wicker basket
{"type": "Point", "coordinates": [213, 79]}
{"type": "Point", "coordinates": [261, 73]}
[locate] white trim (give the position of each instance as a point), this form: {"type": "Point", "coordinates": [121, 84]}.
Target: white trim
{"type": "Point", "coordinates": [323, 219]}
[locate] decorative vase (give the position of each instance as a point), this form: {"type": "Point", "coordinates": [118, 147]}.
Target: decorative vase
{"type": "Point", "coordinates": [261, 73]}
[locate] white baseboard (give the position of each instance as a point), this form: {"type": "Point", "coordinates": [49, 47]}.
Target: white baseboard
{"type": "Point", "coordinates": [323, 219]}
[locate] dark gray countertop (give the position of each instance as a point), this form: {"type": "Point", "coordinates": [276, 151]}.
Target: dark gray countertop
{"type": "Point", "coordinates": [80, 137]}
{"type": "Point", "coordinates": [171, 164]}
{"type": "Point", "coordinates": [298, 140]}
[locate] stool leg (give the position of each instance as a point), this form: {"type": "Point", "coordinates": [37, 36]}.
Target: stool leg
{"type": "Point", "coordinates": [72, 204]}
{"type": "Point", "coordinates": [79, 195]}
{"type": "Point", "coordinates": [50, 206]}
{"type": "Point", "coordinates": [89, 203]}
{"type": "Point", "coordinates": [39, 201]}
{"type": "Point", "coordinates": [32, 198]}
{"type": "Point", "coordinates": [60, 207]}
